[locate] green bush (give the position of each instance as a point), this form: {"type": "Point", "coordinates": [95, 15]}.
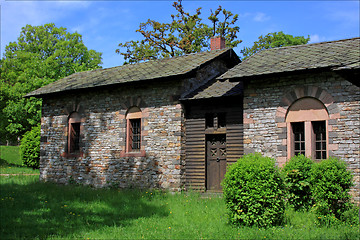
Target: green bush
{"type": "Point", "coordinates": [351, 216]}
{"type": "Point", "coordinates": [296, 175]}
{"type": "Point", "coordinates": [330, 185]}
{"type": "Point", "coordinates": [254, 192]}
{"type": "Point", "coordinates": [30, 147]}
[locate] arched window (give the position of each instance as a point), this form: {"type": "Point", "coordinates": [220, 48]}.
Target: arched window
{"type": "Point", "coordinates": [74, 133]}
{"type": "Point", "coordinates": [133, 130]}
{"type": "Point", "coordinates": [307, 128]}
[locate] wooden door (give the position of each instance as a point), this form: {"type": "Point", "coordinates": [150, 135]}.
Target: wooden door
{"type": "Point", "coordinates": [215, 161]}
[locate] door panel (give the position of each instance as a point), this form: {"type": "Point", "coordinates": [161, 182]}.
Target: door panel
{"type": "Point", "coordinates": [215, 160]}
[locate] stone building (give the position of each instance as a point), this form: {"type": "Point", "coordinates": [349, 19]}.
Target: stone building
{"type": "Point", "coordinates": [124, 126]}
{"type": "Point", "coordinates": [303, 100]}
{"type": "Point", "coordinates": [178, 122]}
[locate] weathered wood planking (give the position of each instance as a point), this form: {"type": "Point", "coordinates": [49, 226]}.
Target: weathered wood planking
{"type": "Point", "coordinates": [196, 132]}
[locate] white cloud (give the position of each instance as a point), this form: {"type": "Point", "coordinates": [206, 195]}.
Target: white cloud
{"type": "Point", "coordinates": [244, 15]}
{"type": "Point", "coordinates": [315, 38]}
{"type": "Point", "coordinates": [257, 17]}
{"type": "Point", "coordinates": [261, 17]}
{"type": "Point", "coordinates": [78, 29]}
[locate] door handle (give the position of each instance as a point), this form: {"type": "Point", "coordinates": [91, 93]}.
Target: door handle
{"type": "Point", "coordinates": [218, 159]}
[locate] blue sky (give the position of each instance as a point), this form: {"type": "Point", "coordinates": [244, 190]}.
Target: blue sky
{"type": "Point", "coordinates": [105, 24]}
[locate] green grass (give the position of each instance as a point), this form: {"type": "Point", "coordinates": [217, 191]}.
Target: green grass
{"type": "Point", "coordinates": [10, 161]}
{"type": "Point", "coordinates": [31, 209]}
{"type": "Point", "coordinates": [10, 154]}
{"type": "Point", "coordinates": [36, 210]}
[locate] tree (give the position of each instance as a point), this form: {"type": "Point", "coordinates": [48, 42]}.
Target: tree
{"type": "Point", "coordinates": [185, 34]}
{"type": "Point", "coordinates": [41, 55]}
{"type": "Point", "coordinates": [273, 40]}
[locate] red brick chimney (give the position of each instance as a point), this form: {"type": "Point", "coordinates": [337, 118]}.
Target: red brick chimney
{"type": "Point", "coordinates": [217, 42]}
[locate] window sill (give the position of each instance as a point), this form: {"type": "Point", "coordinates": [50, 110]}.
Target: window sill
{"type": "Point", "coordinates": [142, 153]}
{"type": "Point", "coordinates": [72, 155]}
{"type": "Point", "coordinates": [221, 130]}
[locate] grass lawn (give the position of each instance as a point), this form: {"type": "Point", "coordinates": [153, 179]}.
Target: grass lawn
{"type": "Point", "coordinates": [30, 209]}
{"type": "Point", "coordinates": [10, 161]}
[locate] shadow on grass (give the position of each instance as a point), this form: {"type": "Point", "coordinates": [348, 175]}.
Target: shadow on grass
{"type": "Point", "coordinates": [4, 163]}
{"type": "Point", "coordinates": [40, 210]}
{"type": "Point", "coordinates": [13, 168]}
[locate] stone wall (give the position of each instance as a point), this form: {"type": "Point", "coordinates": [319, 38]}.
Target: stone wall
{"type": "Point", "coordinates": [102, 160]}
{"type": "Point", "coordinates": [103, 133]}
{"type": "Point", "coordinates": [266, 105]}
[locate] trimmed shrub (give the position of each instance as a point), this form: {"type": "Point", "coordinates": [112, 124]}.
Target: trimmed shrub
{"type": "Point", "coordinates": [30, 147]}
{"type": "Point", "coordinates": [296, 175]}
{"type": "Point", "coordinates": [254, 192]}
{"type": "Point", "coordinates": [330, 185]}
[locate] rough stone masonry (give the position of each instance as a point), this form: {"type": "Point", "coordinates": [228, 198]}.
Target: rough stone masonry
{"type": "Point", "coordinates": [265, 108]}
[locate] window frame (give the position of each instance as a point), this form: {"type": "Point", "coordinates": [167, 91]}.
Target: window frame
{"type": "Point", "coordinates": [295, 134]}
{"type": "Point", "coordinates": [319, 129]}
{"type": "Point", "coordinates": [309, 111]}
{"type": "Point", "coordinates": [74, 119]}
{"type": "Point", "coordinates": [131, 122]}
{"type": "Point", "coordinates": [310, 140]}
{"type": "Point", "coordinates": [134, 114]}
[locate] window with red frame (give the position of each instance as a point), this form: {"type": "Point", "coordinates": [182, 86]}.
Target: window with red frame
{"type": "Point", "coordinates": [307, 118]}
{"type": "Point", "coordinates": [133, 130]}
{"type": "Point", "coordinates": [134, 135]}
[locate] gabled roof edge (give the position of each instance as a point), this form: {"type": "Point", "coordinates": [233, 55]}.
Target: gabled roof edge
{"type": "Point", "coordinates": [52, 88]}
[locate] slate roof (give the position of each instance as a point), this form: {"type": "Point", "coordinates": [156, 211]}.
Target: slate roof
{"type": "Point", "coordinates": [215, 89]}
{"type": "Point", "coordinates": [154, 69]}
{"type": "Point", "coordinates": [337, 55]}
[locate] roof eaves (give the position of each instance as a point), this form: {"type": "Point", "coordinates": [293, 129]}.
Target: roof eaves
{"type": "Point", "coordinates": [139, 76]}
{"type": "Point", "coordinates": [250, 66]}
{"type": "Point", "coordinates": [104, 86]}
{"type": "Point", "coordinates": [273, 74]}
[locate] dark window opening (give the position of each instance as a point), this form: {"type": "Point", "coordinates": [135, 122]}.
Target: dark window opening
{"type": "Point", "coordinates": [74, 137]}
{"type": "Point", "coordinates": [215, 120]}
{"type": "Point", "coordinates": [221, 120]}
{"type": "Point", "coordinates": [135, 135]}
{"type": "Point", "coordinates": [209, 120]}
{"type": "Point", "coordinates": [319, 130]}
{"type": "Point", "coordinates": [299, 138]}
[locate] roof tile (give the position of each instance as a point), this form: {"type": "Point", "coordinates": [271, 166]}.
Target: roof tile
{"type": "Point", "coordinates": [340, 54]}
{"type": "Point", "coordinates": [216, 89]}
{"type": "Point", "coordinates": [154, 69]}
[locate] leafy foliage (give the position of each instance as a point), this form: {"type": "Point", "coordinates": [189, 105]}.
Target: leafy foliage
{"type": "Point", "coordinates": [254, 192]}
{"type": "Point", "coordinates": [296, 174]}
{"type": "Point", "coordinates": [351, 215]}
{"type": "Point", "coordinates": [41, 55]}
{"type": "Point", "coordinates": [330, 185]}
{"type": "Point", "coordinates": [225, 28]}
{"type": "Point", "coordinates": [273, 40]}
{"type": "Point", "coordinates": [185, 34]}
{"type": "Point", "coordinates": [30, 147]}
